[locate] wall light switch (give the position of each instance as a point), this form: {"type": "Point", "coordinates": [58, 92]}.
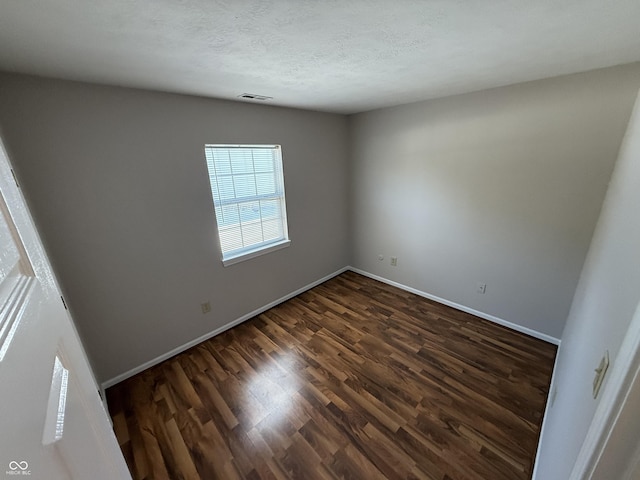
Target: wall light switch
{"type": "Point", "coordinates": [600, 373]}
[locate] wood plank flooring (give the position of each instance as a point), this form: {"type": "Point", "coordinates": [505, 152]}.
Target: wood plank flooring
{"type": "Point", "coordinates": [353, 379]}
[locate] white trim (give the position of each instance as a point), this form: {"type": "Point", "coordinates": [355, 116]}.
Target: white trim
{"type": "Point", "coordinates": [547, 408]}
{"type": "Point", "coordinates": [130, 373]}
{"type": "Point", "coordinates": [103, 398]}
{"type": "Point", "coordinates": [625, 371]}
{"type": "Point", "coordinates": [272, 247]}
{"type": "Point", "coordinates": [119, 378]}
{"type": "Point", "coordinates": [457, 306]}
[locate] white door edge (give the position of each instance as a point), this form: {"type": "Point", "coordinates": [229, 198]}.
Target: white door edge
{"type": "Point", "coordinates": [625, 372]}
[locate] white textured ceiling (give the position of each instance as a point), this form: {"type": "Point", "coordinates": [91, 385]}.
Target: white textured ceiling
{"type": "Point", "coordinates": [335, 55]}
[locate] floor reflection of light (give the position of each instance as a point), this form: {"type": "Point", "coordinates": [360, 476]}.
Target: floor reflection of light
{"type": "Point", "coordinates": [274, 386]}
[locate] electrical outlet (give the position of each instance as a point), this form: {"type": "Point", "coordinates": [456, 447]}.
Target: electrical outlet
{"type": "Point", "coordinates": [394, 261]}
{"type": "Point", "coordinates": [206, 307]}
{"type": "Point", "coordinates": [481, 288]}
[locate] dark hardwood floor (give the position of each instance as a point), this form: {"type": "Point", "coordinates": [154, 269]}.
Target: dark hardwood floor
{"type": "Point", "coordinates": [353, 379]}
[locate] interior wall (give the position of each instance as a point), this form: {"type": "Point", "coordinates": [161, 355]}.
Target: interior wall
{"type": "Point", "coordinates": [620, 458]}
{"type": "Point", "coordinates": [605, 301]}
{"type": "Point", "coordinates": [501, 187]}
{"type": "Point", "coordinates": [117, 183]}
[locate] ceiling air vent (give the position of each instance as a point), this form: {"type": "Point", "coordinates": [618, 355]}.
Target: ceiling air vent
{"type": "Point", "coordinates": [253, 96]}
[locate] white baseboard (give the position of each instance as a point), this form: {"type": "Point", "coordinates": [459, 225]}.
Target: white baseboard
{"type": "Point", "coordinates": [217, 331]}
{"type": "Point", "coordinates": [491, 318]}
{"type": "Point", "coordinates": [457, 306]}
{"type": "Point", "coordinates": [547, 408]}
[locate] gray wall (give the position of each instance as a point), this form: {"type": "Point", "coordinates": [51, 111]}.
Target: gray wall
{"type": "Point", "coordinates": [606, 299]}
{"type": "Point", "coordinates": [502, 187]}
{"type": "Point", "coordinates": [117, 183]}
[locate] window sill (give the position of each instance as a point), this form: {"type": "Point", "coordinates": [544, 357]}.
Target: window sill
{"type": "Point", "coordinates": [255, 253]}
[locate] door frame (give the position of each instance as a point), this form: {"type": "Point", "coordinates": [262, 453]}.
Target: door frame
{"type": "Point", "coordinates": [624, 377]}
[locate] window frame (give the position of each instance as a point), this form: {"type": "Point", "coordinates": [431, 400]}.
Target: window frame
{"type": "Point", "coordinates": [232, 257]}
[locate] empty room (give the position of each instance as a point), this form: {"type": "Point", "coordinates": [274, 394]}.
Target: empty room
{"type": "Point", "coordinates": [320, 240]}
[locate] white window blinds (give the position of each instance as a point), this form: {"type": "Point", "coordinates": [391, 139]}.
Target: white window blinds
{"type": "Point", "coordinates": [247, 185]}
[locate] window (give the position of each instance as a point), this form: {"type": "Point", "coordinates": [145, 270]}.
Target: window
{"type": "Point", "coordinates": [247, 184]}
